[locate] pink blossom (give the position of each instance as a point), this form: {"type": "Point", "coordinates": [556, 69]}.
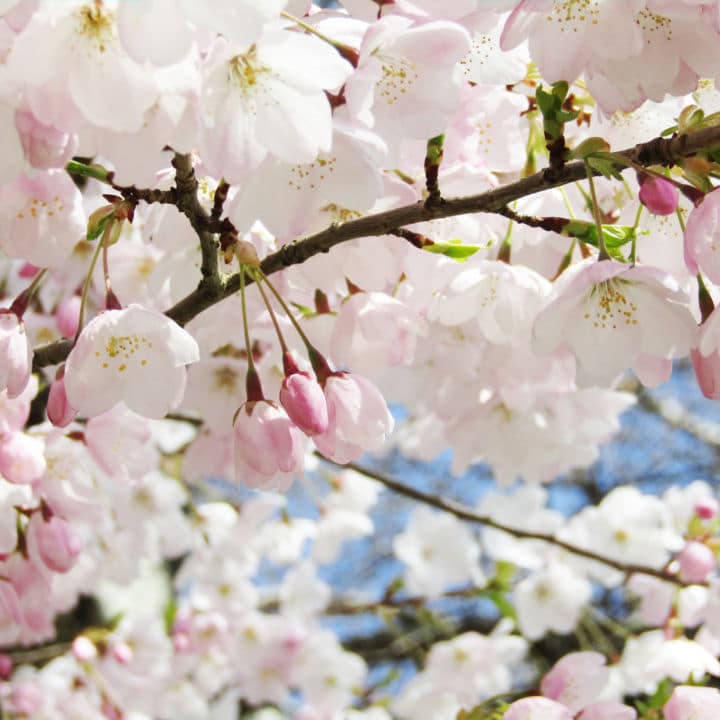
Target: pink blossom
{"type": "Point", "coordinates": [25, 699]}
{"type": "Point", "coordinates": [134, 355]}
{"type": "Point", "coordinates": [21, 458]}
{"type": "Point", "coordinates": [269, 447]}
{"type": "Point", "coordinates": [702, 237]}
{"type": "Point", "coordinates": [67, 315]}
{"type": "Point", "coordinates": [693, 703]}
{"type": "Point", "coordinates": [359, 419]}
{"type": "Point", "coordinates": [707, 372]}
{"type": "Point", "coordinates": [576, 679]}
{"type": "Point", "coordinates": [404, 85]}
{"type": "Point", "coordinates": [15, 412]}
{"type": "Point", "coordinates": [257, 101]}
{"type": "Point", "coordinates": [304, 402]}
{"type": "Point", "coordinates": [60, 413]}
{"type": "Point", "coordinates": [612, 316]}
{"type": "Point", "coordinates": [45, 146]}
{"type": "Point", "coordinates": [537, 708]}
{"type": "Point", "coordinates": [15, 354]}
{"type": "Point", "coordinates": [6, 666]}
{"type": "Point", "coordinates": [374, 331]}
{"type": "Point", "coordinates": [53, 541]}
{"type": "Point", "coordinates": [697, 561]}
{"type": "Point", "coordinates": [707, 508]}
{"type": "Point", "coordinates": [658, 195]}
{"type": "Point", "coordinates": [607, 710]}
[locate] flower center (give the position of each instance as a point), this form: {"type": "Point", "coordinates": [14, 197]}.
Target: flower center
{"type": "Point", "coordinates": [398, 76]}
{"type": "Point", "coordinates": [96, 23]}
{"type": "Point", "coordinates": [612, 307]}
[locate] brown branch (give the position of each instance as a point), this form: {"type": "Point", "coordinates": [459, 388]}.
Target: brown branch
{"type": "Point", "coordinates": [659, 151]}
{"type": "Point", "coordinates": [189, 204]}
{"type": "Point", "coordinates": [465, 513]}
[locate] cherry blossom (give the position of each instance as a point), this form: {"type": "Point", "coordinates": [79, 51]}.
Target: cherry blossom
{"type": "Point", "coordinates": [83, 59]}
{"type": "Point", "coordinates": [610, 316]}
{"type": "Point", "coordinates": [257, 101]}
{"type": "Point", "coordinates": [358, 418]}
{"type": "Point", "coordinates": [15, 355]}
{"type": "Point", "coordinates": [391, 171]}
{"type": "Point", "coordinates": [701, 236]}
{"type": "Point", "coordinates": [120, 354]}
{"type": "Point", "coordinates": [438, 551]}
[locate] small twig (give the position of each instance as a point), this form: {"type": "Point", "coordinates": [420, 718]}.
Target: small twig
{"type": "Point", "coordinates": [188, 203]}
{"type": "Point", "coordinates": [465, 513]}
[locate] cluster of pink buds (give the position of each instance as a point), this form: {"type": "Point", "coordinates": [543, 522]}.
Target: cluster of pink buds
{"type": "Point", "coordinates": [343, 413]}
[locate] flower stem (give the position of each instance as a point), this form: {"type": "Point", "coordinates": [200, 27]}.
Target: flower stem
{"type": "Point", "coordinates": [246, 331]}
{"type": "Point", "coordinates": [92, 171]}
{"type": "Point", "coordinates": [253, 387]}
{"type": "Point", "coordinates": [86, 287]}
{"type": "Point", "coordinates": [603, 255]}
{"type": "Point", "coordinates": [273, 317]}
{"type": "Point", "coordinates": [283, 304]}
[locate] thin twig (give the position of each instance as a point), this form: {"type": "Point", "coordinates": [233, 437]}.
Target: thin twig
{"type": "Point", "coordinates": [465, 513]}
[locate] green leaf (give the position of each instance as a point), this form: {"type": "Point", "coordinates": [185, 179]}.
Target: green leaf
{"type": "Point", "coordinates": [546, 102]}
{"type": "Point", "coordinates": [661, 695]}
{"type": "Point", "coordinates": [606, 166]}
{"type": "Point", "coordinates": [504, 573]}
{"type": "Point", "coordinates": [591, 146]}
{"type": "Point", "coordinates": [169, 613]}
{"type": "Point", "coordinates": [92, 171]}
{"type": "Point", "coordinates": [501, 602]}
{"type": "Point", "coordinates": [98, 228]}
{"type": "Point", "coordinates": [455, 250]}
{"type": "Point", "coordinates": [114, 622]}
{"type": "Point", "coordinates": [563, 116]}
{"type": "Point", "coordinates": [435, 149]}
{"type": "Point", "coordinates": [560, 90]}
{"type": "Point", "coordinates": [615, 235]}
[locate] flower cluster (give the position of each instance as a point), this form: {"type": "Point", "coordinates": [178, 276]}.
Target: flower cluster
{"type": "Point", "coordinates": [232, 234]}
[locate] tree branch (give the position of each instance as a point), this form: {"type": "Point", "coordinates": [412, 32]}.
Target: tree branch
{"type": "Point", "coordinates": [659, 151]}
{"type": "Point", "coordinates": [189, 204]}
{"type": "Point", "coordinates": [465, 513]}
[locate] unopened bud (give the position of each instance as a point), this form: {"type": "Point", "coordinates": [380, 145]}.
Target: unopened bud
{"type": "Point", "coordinates": [658, 195]}
{"type": "Point", "coordinates": [246, 254]}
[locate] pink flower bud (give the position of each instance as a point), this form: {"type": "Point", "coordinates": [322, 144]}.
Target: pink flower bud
{"type": "Point", "coordinates": [6, 666]}
{"type": "Point", "coordinates": [269, 447]}
{"type": "Point", "coordinates": [67, 315]}
{"type": "Point", "coordinates": [697, 561]}
{"type": "Point", "coordinates": [304, 401]}
{"type": "Point", "coordinates": [28, 271]}
{"type": "Point", "coordinates": [15, 354]}
{"type": "Point", "coordinates": [359, 419]}
{"type": "Point", "coordinates": [658, 195]}
{"type": "Point", "coordinates": [707, 508]}
{"type": "Point", "coordinates": [53, 541]}
{"type": "Point", "coordinates": [122, 653]}
{"type": "Point", "coordinates": [83, 648]}
{"type": "Point", "coordinates": [59, 411]}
